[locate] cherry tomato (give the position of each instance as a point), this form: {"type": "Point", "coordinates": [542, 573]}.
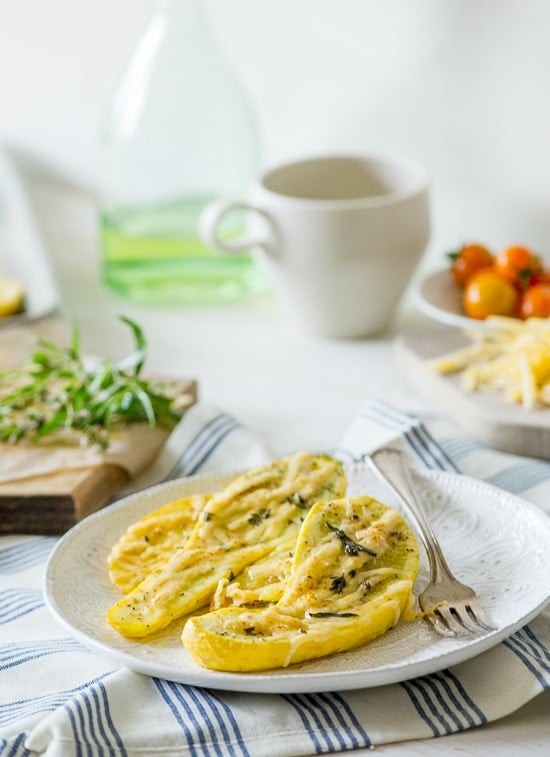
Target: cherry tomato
{"type": "Point", "coordinates": [535, 302]}
{"type": "Point", "coordinates": [469, 259]}
{"type": "Point", "coordinates": [541, 278]}
{"type": "Point", "coordinates": [519, 265]}
{"type": "Point", "coordinates": [487, 293]}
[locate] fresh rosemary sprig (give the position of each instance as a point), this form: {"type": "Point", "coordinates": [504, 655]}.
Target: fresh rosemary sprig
{"type": "Point", "coordinates": [57, 391]}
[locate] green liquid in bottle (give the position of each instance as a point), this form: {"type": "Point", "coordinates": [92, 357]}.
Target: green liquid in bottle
{"type": "Point", "coordinates": [153, 256]}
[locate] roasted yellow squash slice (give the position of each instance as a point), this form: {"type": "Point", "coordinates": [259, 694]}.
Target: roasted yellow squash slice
{"type": "Point", "coordinates": [261, 583]}
{"type": "Point", "coordinates": [151, 541]}
{"type": "Point", "coordinates": [351, 579]}
{"type": "Point", "coordinates": [254, 515]}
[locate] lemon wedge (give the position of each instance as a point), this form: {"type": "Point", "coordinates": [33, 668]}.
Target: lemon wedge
{"type": "Point", "coordinates": [12, 297]}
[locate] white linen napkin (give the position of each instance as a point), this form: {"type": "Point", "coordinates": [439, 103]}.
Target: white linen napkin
{"type": "Point", "coordinates": [59, 698]}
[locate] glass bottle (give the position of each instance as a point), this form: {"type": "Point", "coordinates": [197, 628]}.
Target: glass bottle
{"type": "Point", "coordinates": [179, 133]}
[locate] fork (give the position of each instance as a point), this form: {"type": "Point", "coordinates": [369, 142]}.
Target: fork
{"type": "Point", "coordinates": [452, 607]}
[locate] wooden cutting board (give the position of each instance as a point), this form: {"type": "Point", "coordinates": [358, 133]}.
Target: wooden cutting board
{"type": "Point", "coordinates": [486, 416]}
{"type": "Point", "coordinates": [52, 503]}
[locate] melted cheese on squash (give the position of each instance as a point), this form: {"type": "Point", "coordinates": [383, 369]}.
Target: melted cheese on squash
{"type": "Point", "coordinates": [260, 583]}
{"type": "Point", "coordinates": [254, 515]}
{"type": "Point", "coordinates": [151, 541]}
{"type": "Point", "coordinates": [351, 579]}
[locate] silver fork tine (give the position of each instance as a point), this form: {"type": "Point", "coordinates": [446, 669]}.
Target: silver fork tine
{"type": "Point", "coordinates": [452, 607]}
{"type": "Point", "coordinates": [463, 619]}
{"type": "Point", "coordinates": [451, 619]}
{"type": "Point", "coordinates": [442, 624]}
{"type": "Point", "coordinates": [478, 617]}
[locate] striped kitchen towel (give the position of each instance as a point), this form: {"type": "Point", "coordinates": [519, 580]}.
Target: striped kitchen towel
{"type": "Point", "coordinates": [59, 698]}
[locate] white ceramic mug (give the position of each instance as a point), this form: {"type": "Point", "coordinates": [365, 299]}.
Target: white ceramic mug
{"type": "Point", "coordinates": [339, 237]}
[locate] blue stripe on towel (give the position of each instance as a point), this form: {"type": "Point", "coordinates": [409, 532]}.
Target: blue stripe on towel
{"type": "Point", "coordinates": [202, 446]}
{"type": "Point", "coordinates": [346, 717]}
{"type": "Point", "coordinates": [317, 703]}
{"type": "Point", "coordinates": [231, 720]}
{"type": "Point", "coordinates": [532, 654]}
{"type": "Point", "coordinates": [427, 703]}
{"type": "Point", "coordinates": [421, 710]}
{"type": "Point", "coordinates": [340, 719]}
{"type": "Point", "coordinates": [423, 442]}
{"type": "Point", "coordinates": [212, 722]}
{"type": "Point", "coordinates": [538, 646]}
{"type": "Point", "coordinates": [309, 721]}
{"type": "Point", "coordinates": [318, 719]}
{"type": "Point", "coordinates": [377, 409]}
{"type": "Point", "coordinates": [520, 477]}
{"type": "Point", "coordinates": [23, 708]}
{"type": "Point", "coordinates": [216, 725]}
{"type": "Point", "coordinates": [14, 603]}
{"type": "Point", "coordinates": [417, 436]}
{"type": "Point", "coordinates": [16, 746]}
{"type": "Point", "coordinates": [443, 703]}
{"type": "Point", "coordinates": [465, 703]}
{"type": "Point", "coordinates": [182, 718]}
{"type": "Point", "coordinates": [460, 446]}
{"type": "Point", "coordinates": [106, 720]}
{"type": "Point", "coordinates": [14, 654]}
{"type": "Point", "coordinates": [92, 724]}
{"type": "Point", "coordinates": [214, 444]}
{"type": "Point", "coordinates": [74, 712]}
{"type": "Point", "coordinates": [25, 554]}
{"type": "Point", "coordinates": [446, 714]}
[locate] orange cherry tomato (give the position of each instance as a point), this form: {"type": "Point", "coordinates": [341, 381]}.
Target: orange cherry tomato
{"type": "Point", "coordinates": [541, 278]}
{"type": "Point", "coordinates": [469, 259]}
{"type": "Point", "coordinates": [519, 265]}
{"type": "Point", "coordinates": [535, 302]}
{"type": "Point", "coordinates": [487, 293]}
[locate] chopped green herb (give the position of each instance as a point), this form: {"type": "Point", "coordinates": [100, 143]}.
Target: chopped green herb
{"type": "Point", "coordinates": [298, 500]}
{"type": "Point", "coordinates": [351, 547]}
{"type": "Point", "coordinates": [256, 518]}
{"type": "Point", "coordinates": [338, 584]}
{"type": "Point", "coordinates": [331, 614]}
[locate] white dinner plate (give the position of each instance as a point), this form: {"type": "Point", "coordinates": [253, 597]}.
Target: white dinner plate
{"type": "Point", "coordinates": [496, 542]}
{"type": "Point", "coordinates": [438, 297]}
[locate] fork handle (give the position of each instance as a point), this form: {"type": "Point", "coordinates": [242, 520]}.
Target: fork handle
{"type": "Point", "coordinates": [390, 465]}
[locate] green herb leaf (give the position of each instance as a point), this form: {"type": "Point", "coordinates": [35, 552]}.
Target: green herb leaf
{"type": "Point", "coordinates": [56, 391]}
{"type": "Point", "coordinates": [351, 547]}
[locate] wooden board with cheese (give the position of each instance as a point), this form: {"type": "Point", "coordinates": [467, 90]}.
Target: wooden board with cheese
{"type": "Point", "coordinates": [486, 416]}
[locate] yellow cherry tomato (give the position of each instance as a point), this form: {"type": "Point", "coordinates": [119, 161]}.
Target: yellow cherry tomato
{"type": "Point", "coordinates": [487, 293]}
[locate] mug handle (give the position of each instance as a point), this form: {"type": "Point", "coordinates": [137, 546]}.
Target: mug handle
{"type": "Point", "coordinates": [211, 217]}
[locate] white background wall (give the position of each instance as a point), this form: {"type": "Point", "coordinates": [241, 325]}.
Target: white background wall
{"type": "Point", "coordinates": [462, 85]}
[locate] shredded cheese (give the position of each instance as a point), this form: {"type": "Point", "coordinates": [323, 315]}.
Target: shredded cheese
{"type": "Point", "coordinates": [508, 356]}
